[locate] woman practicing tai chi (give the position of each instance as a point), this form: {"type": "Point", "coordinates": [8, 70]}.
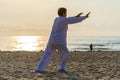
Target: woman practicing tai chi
{"type": "Point", "coordinates": [57, 40]}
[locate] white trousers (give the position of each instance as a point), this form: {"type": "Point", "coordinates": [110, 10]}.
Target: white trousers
{"type": "Point", "coordinates": [49, 53]}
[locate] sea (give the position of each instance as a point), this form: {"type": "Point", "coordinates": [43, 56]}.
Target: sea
{"type": "Point", "coordinates": [76, 43]}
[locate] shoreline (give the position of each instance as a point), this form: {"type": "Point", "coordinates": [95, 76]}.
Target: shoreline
{"type": "Point", "coordinates": [69, 51]}
{"type": "Point", "coordinates": [102, 65]}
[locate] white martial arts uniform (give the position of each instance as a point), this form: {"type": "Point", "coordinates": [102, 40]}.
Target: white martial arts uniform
{"type": "Point", "coordinates": [57, 41]}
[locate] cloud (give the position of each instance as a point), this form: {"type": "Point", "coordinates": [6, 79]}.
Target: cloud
{"type": "Point", "coordinates": [32, 17]}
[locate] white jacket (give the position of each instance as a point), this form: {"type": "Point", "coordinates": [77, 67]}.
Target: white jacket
{"type": "Point", "coordinates": [60, 27]}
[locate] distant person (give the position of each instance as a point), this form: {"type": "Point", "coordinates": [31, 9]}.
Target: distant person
{"type": "Point", "coordinates": [91, 47]}
{"type": "Point", "coordinates": [57, 40]}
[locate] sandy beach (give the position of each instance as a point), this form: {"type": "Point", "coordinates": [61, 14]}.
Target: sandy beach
{"type": "Point", "coordinates": [20, 65]}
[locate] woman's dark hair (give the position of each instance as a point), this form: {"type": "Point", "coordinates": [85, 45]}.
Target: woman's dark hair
{"type": "Point", "coordinates": [61, 11]}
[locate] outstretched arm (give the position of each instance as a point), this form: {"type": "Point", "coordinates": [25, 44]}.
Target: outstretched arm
{"type": "Point", "coordinates": [87, 15]}
{"type": "Point", "coordinates": [76, 19]}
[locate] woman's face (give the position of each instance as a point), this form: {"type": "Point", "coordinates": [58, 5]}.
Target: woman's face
{"type": "Point", "coordinates": [65, 14]}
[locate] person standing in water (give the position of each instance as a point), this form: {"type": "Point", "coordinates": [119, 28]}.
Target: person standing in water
{"type": "Point", "coordinates": [57, 40]}
{"type": "Point", "coordinates": [91, 47]}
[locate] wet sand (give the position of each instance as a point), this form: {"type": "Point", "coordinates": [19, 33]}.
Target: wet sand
{"type": "Point", "coordinates": [20, 65]}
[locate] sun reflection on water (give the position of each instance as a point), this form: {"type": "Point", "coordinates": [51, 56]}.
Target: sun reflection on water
{"type": "Point", "coordinates": [29, 43]}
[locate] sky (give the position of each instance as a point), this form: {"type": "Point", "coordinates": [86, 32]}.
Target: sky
{"type": "Point", "coordinates": [35, 17]}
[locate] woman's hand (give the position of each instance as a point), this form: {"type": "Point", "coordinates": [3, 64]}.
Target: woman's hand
{"type": "Point", "coordinates": [79, 14]}
{"type": "Point", "coordinates": [87, 15]}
